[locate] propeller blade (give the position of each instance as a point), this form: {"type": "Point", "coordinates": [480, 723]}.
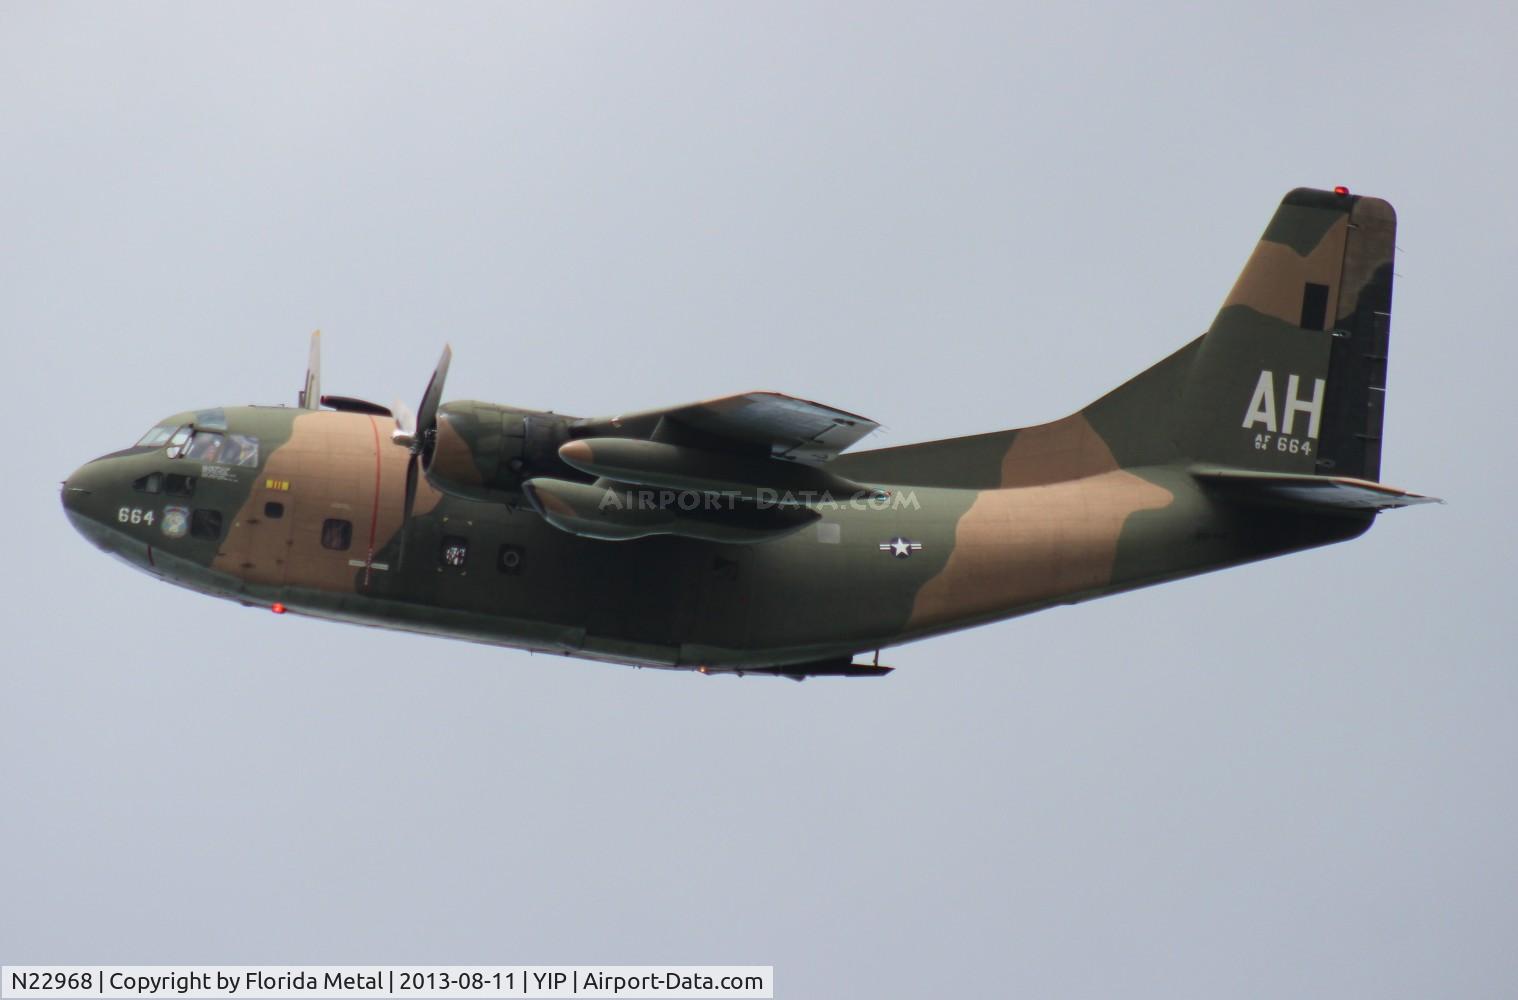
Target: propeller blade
{"type": "Point", "coordinates": [426, 414]}
{"type": "Point", "coordinates": [412, 474]}
{"type": "Point", "coordinates": [404, 418]}
{"type": "Point", "coordinates": [414, 430]}
{"type": "Point", "coordinates": [405, 424]}
{"type": "Point", "coordinates": [412, 461]}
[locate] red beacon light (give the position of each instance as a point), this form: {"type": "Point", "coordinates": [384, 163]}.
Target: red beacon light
{"type": "Point", "coordinates": [277, 608]}
{"type": "Point", "coordinates": [1340, 190]}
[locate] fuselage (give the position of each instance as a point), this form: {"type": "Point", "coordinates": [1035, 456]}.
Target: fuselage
{"type": "Point", "coordinates": [497, 524]}
{"type": "Point", "coordinates": [304, 511]}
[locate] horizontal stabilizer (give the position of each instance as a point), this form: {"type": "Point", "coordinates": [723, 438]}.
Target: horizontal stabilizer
{"type": "Point", "coordinates": [1329, 494]}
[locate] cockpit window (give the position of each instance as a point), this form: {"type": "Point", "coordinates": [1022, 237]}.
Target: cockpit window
{"type": "Point", "coordinates": [177, 441]}
{"type": "Point", "coordinates": [241, 449]}
{"type": "Point", "coordinates": [200, 443]}
{"type": "Point", "coordinates": [225, 449]}
{"type": "Point", "coordinates": [150, 483]}
{"type": "Point", "coordinates": [156, 437]}
{"type": "Point", "coordinates": [205, 446]}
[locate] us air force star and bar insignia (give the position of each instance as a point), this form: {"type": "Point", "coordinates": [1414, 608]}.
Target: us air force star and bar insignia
{"type": "Point", "coordinates": [900, 547]}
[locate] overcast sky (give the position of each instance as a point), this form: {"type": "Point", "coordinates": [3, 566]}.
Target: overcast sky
{"type": "Point", "coordinates": [1291, 779]}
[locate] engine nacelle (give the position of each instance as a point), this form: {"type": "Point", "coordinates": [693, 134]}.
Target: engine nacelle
{"type": "Point", "coordinates": [483, 451]}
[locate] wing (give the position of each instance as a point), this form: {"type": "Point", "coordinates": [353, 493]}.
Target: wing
{"type": "Point", "coordinates": [780, 426]}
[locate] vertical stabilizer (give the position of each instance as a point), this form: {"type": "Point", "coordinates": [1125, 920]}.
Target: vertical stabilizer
{"type": "Point", "coordinates": [1289, 379]}
{"type": "Point", "coordinates": [1291, 376]}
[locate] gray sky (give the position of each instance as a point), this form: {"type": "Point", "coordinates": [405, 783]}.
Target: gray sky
{"type": "Point", "coordinates": [1289, 779]}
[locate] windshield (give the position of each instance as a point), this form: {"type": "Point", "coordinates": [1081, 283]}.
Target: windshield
{"type": "Point", "coordinates": [156, 436]}
{"type": "Point", "coordinates": [177, 441]}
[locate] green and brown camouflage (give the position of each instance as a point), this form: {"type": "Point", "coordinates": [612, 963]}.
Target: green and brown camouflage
{"type": "Point", "coordinates": [732, 535]}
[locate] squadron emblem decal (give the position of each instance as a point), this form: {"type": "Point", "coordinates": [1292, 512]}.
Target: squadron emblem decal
{"type": "Point", "coordinates": [176, 520]}
{"type": "Point", "coordinates": [900, 547]}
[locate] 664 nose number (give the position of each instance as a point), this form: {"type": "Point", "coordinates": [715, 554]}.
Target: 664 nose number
{"type": "Point", "coordinates": [134, 515]}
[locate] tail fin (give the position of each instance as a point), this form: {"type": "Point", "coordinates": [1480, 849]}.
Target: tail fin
{"type": "Point", "coordinates": [1291, 376]}
{"type": "Point", "coordinates": [1289, 379]}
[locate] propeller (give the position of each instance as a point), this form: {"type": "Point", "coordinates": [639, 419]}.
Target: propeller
{"type": "Point", "coordinates": [418, 431]}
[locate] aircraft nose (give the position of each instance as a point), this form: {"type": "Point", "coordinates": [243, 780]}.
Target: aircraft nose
{"type": "Point", "coordinates": [84, 499]}
{"type": "Point", "coordinates": [77, 488]}
{"type": "Point", "coordinates": [92, 498]}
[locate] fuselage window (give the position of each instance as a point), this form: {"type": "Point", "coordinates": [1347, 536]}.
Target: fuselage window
{"type": "Point", "coordinates": [274, 510]}
{"type": "Point", "coordinates": [150, 483]}
{"type": "Point", "coordinates": [509, 558]}
{"type": "Point", "coordinates": [176, 485]}
{"type": "Point", "coordinates": [337, 534]}
{"type": "Point", "coordinates": [455, 551]}
{"type": "Point", "coordinates": [205, 523]}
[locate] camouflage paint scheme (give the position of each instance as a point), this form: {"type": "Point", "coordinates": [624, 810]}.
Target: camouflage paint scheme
{"type": "Point", "coordinates": [1220, 454]}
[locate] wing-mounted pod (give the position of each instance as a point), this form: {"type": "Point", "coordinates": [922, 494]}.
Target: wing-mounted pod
{"type": "Point", "coordinates": [737, 470]}
{"type": "Point", "coordinates": [760, 478]}
{"type": "Point", "coordinates": [620, 512]}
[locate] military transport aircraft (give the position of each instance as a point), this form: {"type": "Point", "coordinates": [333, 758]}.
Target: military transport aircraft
{"type": "Point", "coordinates": [733, 535]}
